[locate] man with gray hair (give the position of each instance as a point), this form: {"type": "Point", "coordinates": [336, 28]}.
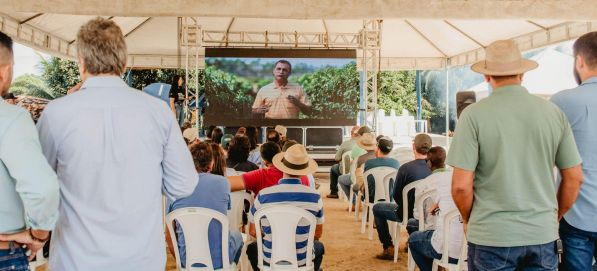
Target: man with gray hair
{"type": "Point", "coordinates": [112, 179]}
{"type": "Point", "coordinates": [29, 193]}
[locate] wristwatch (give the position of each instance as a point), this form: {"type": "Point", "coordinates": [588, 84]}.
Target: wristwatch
{"type": "Point", "coordinates": [37, 239]}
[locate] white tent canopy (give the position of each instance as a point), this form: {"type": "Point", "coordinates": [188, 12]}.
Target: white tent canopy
{"type": "Point", "coordinates": [430, 42]}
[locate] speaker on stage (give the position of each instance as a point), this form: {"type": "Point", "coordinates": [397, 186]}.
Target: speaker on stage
{"type": "Point", "coordinates": [464, 99]}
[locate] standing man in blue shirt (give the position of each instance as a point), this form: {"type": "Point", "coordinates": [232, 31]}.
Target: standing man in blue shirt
{"type": "Point", "coordinates": [578, 228]}
{"type": "Point", "coordinates": [116, 151]}
{"type": "Point", "coordinates": [29, 193]}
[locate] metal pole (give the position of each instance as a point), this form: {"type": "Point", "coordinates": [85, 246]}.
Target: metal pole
{"type": "Point", "coordinates": [447, 107]}
{"type": "Point", "coordinates": [197, 120]}
{"type": "Point", "coordinates": [363, 99]}
{"type": "Point", "coordinates": [419, 105]}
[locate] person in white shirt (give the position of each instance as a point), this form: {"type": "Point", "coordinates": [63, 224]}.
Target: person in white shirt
{"type": "Point", "coordinates": [427, 245]}
{"type": "Point", "coordinates": [116, 150]}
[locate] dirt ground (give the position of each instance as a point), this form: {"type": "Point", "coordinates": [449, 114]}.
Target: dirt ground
{"type": "Point", "coordinates": [345, 247]}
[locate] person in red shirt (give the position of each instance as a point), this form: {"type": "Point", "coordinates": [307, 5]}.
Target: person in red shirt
{"type": "Point", "coordinates": [257, 180]}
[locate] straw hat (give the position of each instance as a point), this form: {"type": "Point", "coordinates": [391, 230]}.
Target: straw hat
{"type": "Point", "coordinates": [367, 142]}
{"type": "Point", "coordinates": [190, 134]}
{"type": "Point", "coordinates": [295, 161]}
{"type": "Point", "coordinates": [503, 58]}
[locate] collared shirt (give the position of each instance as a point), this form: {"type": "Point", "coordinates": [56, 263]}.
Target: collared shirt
{"type": "Point", "coordinates": [580, 106]}
{"type": "Point", "coordinates": [289, 192]}
{"type": "Point", "coordinates": [262, 178]}
{"type": "Point", "coordinates": [28, 186]}
{"type": "Point", "coordinates": [379, 162]}
{"type": "Point", "coordinates": [511, 141]}
{"type": "Point", "coordinates": [276, 99]}
{"type": "Point", "coordinates": [115, 150]}
{"type": "Point", "coordinates": [346, 146]}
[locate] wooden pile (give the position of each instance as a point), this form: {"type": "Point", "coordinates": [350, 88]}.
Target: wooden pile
{"type": "Point", "coordinates": [34, 105]}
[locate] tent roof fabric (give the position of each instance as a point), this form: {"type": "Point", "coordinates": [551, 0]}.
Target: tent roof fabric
{"type": "Point", "coordinates": [317, 9]}
{"type": "Point", "coordinates": [422, 40]}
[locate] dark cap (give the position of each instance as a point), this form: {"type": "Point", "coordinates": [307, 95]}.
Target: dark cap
{"type": "Point", "coordinates": [385, 144]}
{"type": "Point", "coordinates": [423, 143]}
{"type": "Point", "coordinates": [364, 130]}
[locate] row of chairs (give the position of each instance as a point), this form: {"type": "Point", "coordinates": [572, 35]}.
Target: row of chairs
{"type": "Point", "coordinates": [383, 177]}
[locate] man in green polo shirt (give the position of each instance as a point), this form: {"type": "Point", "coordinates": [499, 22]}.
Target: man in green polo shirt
{"type": "Point", "coordinates": [503, 154]}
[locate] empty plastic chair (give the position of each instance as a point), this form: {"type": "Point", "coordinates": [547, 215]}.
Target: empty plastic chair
{"type": "Point", "coordinates": [194, 222]}
{"type": "Point", "coordinates": [283, 221]}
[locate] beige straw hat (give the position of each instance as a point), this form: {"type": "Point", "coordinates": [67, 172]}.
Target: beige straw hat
{"type": "Point", "coordinates": [295, 161]}
{"type": "Point", "coordinates": [503, 58]}
{"type": "Point", "coordinates": [367, 142]}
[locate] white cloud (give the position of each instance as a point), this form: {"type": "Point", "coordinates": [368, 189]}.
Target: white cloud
{"type": "Point", "coordinates": [26, 60]}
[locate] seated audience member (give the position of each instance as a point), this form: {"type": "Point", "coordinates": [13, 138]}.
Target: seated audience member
{"type": "Point", "coordinates": [226, 139]}
{"type": "Point", "coordinates": [212, 192]}
{"type": "Point", "coordinates": [290, 191]}
{"type": "Point", "coordinates": [257, 180]}
{"type": "Point", "coordinates": [435, 161]}
{"type": "Point", "coordinates": [335, 170]}
{"type": "Point", "coordinates": [427, 245]}
{"type": "Point", "coordinates": [409, 172]}
{"type": "Point", "coordinates": [238, 153]}
{"type": "Point", "coordinates": [190, 136]}
{"type": "Point", "coordinates": [216, 135]}
{"type": "Point", "coordinates": [384, 147]}
{"type": "Point", "coordinates": [282, 132]}
{"type": "Point", "coordinates": [241, 131]}
{"type": "Point", "coordinates": [255, 156]}
{"type": "Point", "coordinates": [185, 125]}
{"type": "Point", "coordinates": [273, 136]}
{"type": "Point", "coordinates": [208, 132]}
{"type": "Point", "coordinates": [367, 143]}
{"type": "Point", "coordinates": [219, 160]}
{"type": "Point", "coordinates": [290, 143]}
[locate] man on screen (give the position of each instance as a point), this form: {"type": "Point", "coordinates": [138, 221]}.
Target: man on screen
{"type": "Point", "coordinates": [281, 99]}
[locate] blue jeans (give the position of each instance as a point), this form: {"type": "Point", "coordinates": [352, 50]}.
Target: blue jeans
{"type": "Point", "coordinates": [334, 174]}
{"type": "Point", "coordinates": [318, 250]}
{"type": "Point", "coordinates": [419, 244]}
{"type": "Point", "coordinates": [579, 247]}
{"type": "Point", "coordinates": [523, 258]}
{"type": "Point", "coordinates": [345, 182]}
{"type": "Point", "coordinates": [13, 259]}
{"type": "Point", "coordinates": [384, 211]}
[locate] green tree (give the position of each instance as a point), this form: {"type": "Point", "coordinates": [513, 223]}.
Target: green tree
{"type": "Point", "coordinates": [31, 85]}
{"type": "Point", "coordinates": [397, 92]}
{"type": "Point", "coordinates": [59, 75]}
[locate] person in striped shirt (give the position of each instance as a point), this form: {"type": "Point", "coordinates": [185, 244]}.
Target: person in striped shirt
{"type": "Point", "coordinates": [294, 163]}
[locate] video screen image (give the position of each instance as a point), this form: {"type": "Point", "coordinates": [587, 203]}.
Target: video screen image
{"type": "Point", "coordinates": [288, 87]}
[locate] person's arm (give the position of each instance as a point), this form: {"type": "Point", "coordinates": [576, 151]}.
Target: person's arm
{"type": "Point", "coordinates": [258, 106]}
{"type": "Point", "coordinates": [236, 183]}
{"type": "Point", "coordinates": [305, 108]}
{"type": "Point", "coordinates": [179, 177]}
{"type": "Point", "coordinates": [252, 230]}
{"type": "Point", "coordinates": [572, 179]}
{"type": "Point", "coordinates": [318, 231]}
{"type": "Point", "coordinates": [462, 192]}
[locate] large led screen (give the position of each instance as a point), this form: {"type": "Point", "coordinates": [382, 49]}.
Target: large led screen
{"type": "Point", "coordinates": [265, 87]}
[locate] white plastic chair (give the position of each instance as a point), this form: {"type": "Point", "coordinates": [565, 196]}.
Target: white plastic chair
{"type": "Point", "coordinates": [420, 201]}
{"type": "Point", "coordinates": [194, 222]}
{"type": "Point", "coordinates": [444, 261]}
{"type": "Point", "coordinates": [235, 215]}
{"type": "Point", "coordinates": [353, 168]}
{"type": "Point", "coordinates": [283, 221]}
{"type": "Point", "coordinates": [345, 169]}
{"type": "Point", "coordinates": [404, 221]}
{"type": "Point", "coordinates": [382, 177]}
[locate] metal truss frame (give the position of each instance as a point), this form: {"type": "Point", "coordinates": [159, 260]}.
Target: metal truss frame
{"type": "Point", "coordinates": [371, 47]}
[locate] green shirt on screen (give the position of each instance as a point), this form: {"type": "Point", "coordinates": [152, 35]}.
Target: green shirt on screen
{"type": "Point", "coordinates": [511, 141]}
